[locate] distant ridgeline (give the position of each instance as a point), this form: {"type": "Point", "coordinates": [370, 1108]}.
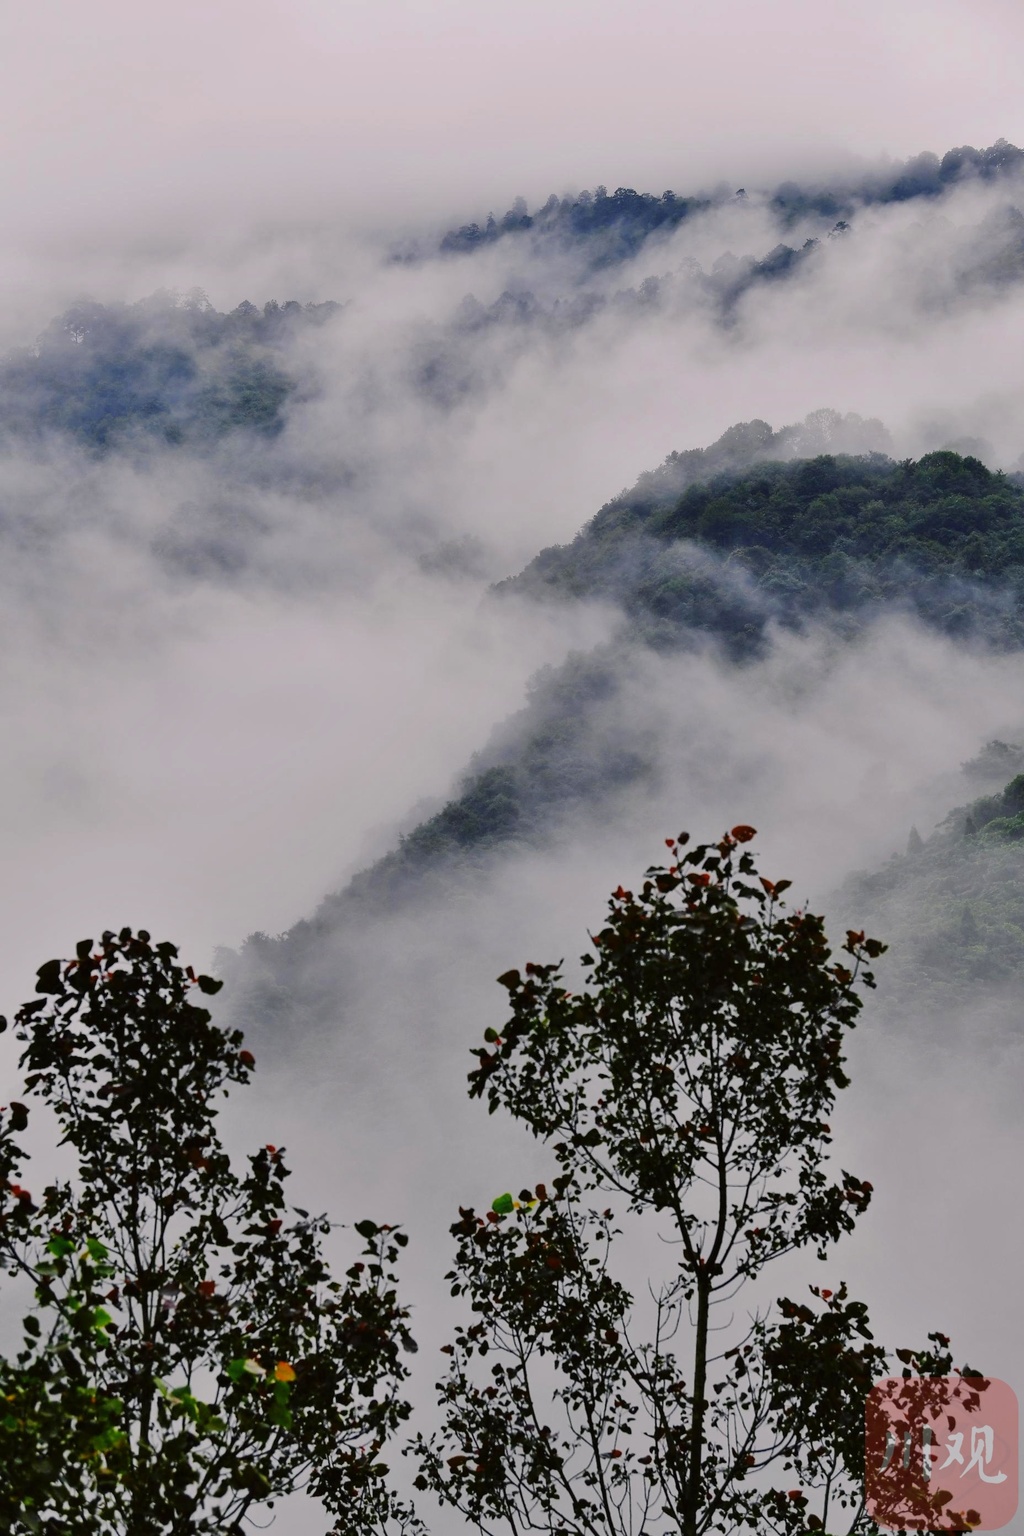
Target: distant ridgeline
{"type": "Point", "coordinates": [176, 371]}
{"type": "Point", "coordinates": [713, 549]}
{"type": "Point", "coordinates": [952, 907]}
{"type": "Point", "coordinates": [979, 259]}
{"type": "Point", "coordinates": [614, 226]}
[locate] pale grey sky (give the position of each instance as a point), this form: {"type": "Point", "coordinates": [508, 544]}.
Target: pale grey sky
{"type": "Point", "coordinates": [121, 119]}
{"type": "Point", "coordinates": [210, 758]}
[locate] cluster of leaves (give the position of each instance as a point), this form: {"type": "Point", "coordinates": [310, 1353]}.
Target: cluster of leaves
{"type": "Point", "coordinates": [164, 369]}
{"type": "Point", "coordinates": [189, 1354]}
{"type": "Point", "coordinates": [615, 225]}
{"type": "Point", "coordinates": [998, 818]}
{"type": "Point", "coordinates": [690, 1085]}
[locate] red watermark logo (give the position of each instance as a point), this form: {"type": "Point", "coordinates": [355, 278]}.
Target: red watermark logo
{"type": "Point", "coordinates": [941, 1453]}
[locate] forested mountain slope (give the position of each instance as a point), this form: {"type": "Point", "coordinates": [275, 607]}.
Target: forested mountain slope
{"type": "Point", "coordinates": [837, 540]}
{"type": "Point", "coordinates": [952, 906]}
{"type": "Point", "coordinates": [168, 370]}
{"type": "Point", "coordinates": [836, 537]}
{"type": "Point", "coordinates": [613, 227]}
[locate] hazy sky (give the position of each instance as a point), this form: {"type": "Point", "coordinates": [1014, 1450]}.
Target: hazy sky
{"type": "Point", "coordinates": [212, 758]}
{"type": "Point", "coordinates": [134, 118]}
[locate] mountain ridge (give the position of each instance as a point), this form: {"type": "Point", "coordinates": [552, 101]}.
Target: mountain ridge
{"type": "Point", "coordinates": [559, 757]}
{"type": "Point", "coordinates": [618, 224]}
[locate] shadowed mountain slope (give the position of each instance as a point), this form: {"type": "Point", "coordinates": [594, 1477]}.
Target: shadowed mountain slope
{"type": "Point", "coordinates": [838, 540]}
{"type": "Point", "coordinates": [612, 227]}
{"type": "Point", "coordinates": [839, 536]}
{"type": "Point", "coordinates": [168, 370]}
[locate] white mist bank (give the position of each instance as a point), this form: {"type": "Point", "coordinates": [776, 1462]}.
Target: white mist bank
{"type": "Point", "coordinates": [208, 749]}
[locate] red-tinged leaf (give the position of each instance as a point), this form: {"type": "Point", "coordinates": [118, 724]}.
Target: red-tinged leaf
{"type": "Point", "coordinates": [743, 833]}
{"type": "Point", "coordinates": [247, 1058]}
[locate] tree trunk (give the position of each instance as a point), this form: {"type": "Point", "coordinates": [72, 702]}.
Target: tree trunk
{"type": "Point", "coordinates": [697, 1406]}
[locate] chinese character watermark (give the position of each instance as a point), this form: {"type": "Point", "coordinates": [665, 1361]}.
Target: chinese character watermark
{"type": "Point", "coordinates": [941, 1453]}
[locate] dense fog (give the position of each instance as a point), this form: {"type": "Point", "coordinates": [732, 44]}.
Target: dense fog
{"type": "Point", "coordinates": [265, 472]}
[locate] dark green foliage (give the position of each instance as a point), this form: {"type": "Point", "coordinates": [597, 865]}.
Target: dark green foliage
{"type": "Point", "coordinates": [999, 817]}
{"type": "Point", "coordinates": [189, 1355]}
{"type": "Point", "coordinates": [687, 1089]}
{"type": "Point", "coordinates": [487, 811]}
{"type": "Point", "coordinates": [614, 226]}
{"type": "Point", "coordinates": [112, 374]}
{"type": "Point", "coordinates": [833, 536]}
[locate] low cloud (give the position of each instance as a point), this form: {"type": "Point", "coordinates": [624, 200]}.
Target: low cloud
{"type": "Point", "coordinates": [232, 671]}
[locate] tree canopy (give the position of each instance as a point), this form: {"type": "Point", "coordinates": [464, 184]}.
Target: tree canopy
{"type": "Point", "coordinates": [187, 1355]}
{"type": "Point", "coordinates": [684, 1094]}
{"type": "Point", "coordinates": [832, 537]}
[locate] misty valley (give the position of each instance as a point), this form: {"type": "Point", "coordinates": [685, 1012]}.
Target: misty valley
{"type": "Point", "coordinates": [335, 658]}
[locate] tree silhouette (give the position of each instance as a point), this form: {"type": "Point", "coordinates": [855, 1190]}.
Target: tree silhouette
{"type": "Point", "coordinates": [685, 1096]}
{"type": "Point", "coordinates": [188, 1355]}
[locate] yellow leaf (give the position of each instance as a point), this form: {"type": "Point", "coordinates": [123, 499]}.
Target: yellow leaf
{"type": "Point", "coordinates": [283, 1371]}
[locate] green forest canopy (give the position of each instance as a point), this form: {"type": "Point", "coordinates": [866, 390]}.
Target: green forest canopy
{"type": "Point", "coordinates": [835, 535]}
